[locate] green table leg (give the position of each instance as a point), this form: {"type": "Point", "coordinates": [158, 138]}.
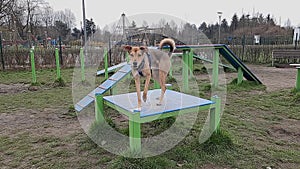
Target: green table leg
{"type": "Point", "coordinates": [99, 111]}
{"type": "Point", "coordinates": [215, 112]}
{"type": "Point", "coordinates": [135, 134]}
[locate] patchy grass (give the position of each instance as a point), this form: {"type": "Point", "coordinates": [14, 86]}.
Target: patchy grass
{"type": "Point", "coordinates": [259, 129]}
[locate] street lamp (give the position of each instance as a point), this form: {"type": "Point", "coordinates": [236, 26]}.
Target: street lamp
{"type": "Point", "coordinates": [220, 15]}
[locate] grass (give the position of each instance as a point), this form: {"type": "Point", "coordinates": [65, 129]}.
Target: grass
{"type": "Point", "coordinates": [247, 138]}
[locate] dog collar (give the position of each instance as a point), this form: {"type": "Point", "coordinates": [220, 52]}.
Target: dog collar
{"type": "Point", "coordinates": [142, 65]}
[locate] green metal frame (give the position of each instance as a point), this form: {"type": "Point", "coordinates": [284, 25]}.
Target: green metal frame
{"type": "Point", "coordinates": [58, 75]}
{"type": "Point", "coordinates": [33, 72]}
{"type": "Point", "coordinates": [298, 79]}
{"type": "Point", "coordinates": [185, 70]}
{"type": "Point", "coordinates": [82, 65]}
{"type": "Point", "coordinates": [135, 120]}
{"type": "Point", "coordinates": [240, 76]}
{"type": "Point", "coordinates": [215, 73]}
{"type": "Point", "coordinates": [106, 63]}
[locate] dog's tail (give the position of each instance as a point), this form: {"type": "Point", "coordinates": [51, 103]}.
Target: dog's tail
{"type": "Point", "coordinates": [170, 42]}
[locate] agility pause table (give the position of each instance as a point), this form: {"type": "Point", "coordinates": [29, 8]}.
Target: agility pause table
{"type": "Point", "coordinates": [175, 103]}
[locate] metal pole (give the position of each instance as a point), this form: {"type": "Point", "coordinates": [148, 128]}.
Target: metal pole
{"type": "Point", "coordinates": [220, 15]}
{"type": "Point", "coordinates": [1, 52]}
{"type": "Point", "coordinates": [123, 19]}
{"type": "Point", "coordinates": [296, 41]}
{"type": "Point", "coordinates": [84, 22]}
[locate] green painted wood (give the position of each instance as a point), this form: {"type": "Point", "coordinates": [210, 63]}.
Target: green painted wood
{"type": "Point", "coordinates": [99, 111]}
{"type": "Point", "coordinates": [33, 71]}
{"type": "Point", "coordinates": [240, 76]}
{"type": "Point", "coordinates": [135, 134]}
{"type": "Point", "coordinates": [58, 75]}
{"type": "Point", "coordinates": [298, 79]}
{"type": "Point", "coordinates": [215, 73]}
{"type": "Point", "coordinates": [214, 116]}
{"type": "Point", "coordinates": [106, 64]}
{"type": "Point", "coordinates": [82, 65]}
{"type": "Point", "coordinates": [185, 71]}
{"type": "Point", "coordinates": [191, 62]}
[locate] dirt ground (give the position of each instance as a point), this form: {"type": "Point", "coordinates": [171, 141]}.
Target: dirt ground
{"type": "Point", "coordinates": [50, 122]}
{"type": "Point", "coordinates": [275, 78]}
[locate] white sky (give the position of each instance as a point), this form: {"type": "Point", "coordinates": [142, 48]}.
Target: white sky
{"type": "Point", "coordinates": [193, 11]}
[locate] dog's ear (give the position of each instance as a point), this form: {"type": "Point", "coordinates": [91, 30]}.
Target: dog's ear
{"type": "Point", "coordinates": [127, 48]}
{"type": "Point", "coordinates": [143, 48]}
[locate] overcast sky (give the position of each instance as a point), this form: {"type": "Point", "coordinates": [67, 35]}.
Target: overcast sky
{"type": "Point", "coordinates": [193, 11]}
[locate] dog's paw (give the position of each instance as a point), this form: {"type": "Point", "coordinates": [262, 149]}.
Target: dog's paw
{"type": "Point", "coordinates": [144, 97]}
{"type": "Point", "coordinates": [138, 109]}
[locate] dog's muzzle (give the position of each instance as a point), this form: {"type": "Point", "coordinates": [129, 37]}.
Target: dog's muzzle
{"type": "Point", "coordinates": [134, 65]}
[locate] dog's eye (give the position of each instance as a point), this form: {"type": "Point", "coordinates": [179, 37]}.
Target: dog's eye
{"type": "Point", "coordinates": [139, 54]}
{"type": "Point", "coordinates": [131, 54]}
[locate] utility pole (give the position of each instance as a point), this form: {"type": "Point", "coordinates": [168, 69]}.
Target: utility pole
{"type": "Point", "coordinates": [220, 15]}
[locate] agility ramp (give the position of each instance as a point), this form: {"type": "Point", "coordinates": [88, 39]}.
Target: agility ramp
{"type": "Point", "coordinates": [110, 69]}
{"type": "Point", "coordinates": [104, 87]}
{"type": "Point", "coordinates": [234, 60]}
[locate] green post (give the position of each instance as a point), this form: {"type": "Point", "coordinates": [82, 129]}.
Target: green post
{"type": "Point", "coordinates": [215, 112]}
{"type": "Point", "coordinates": [57, 64]}
{"type": "Point", "coordinates": [185, 71]}
{"type": "Point", "coordinates": [171, 70]}
{"type": "Point", "coordinates": [82, 65]}
{"type": "Point", "coordinates": [99, 111]}
{"type": "Point", "coordinates": [240, 76]}
{"type": "Point", "coordinates": [135, 134]}
{"type": "Point", "coordinates": [298, 79]}
{"type": "Point", "coordinates": [191, 59]}
{"type": "Point", "coordinates": [215, 74]}
{"type": "Point", "coordinates": [106, 64]}
{"type": "Point", "coordinates": [33, 67]}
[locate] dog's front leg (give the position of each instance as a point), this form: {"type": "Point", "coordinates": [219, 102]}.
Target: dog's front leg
{"type": "Point", "coordinates": [148, 77]}
{"type": "Point", "coordinates": [138, 92]}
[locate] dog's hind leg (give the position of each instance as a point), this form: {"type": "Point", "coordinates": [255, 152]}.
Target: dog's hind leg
{"type": "Point", "coordinates": [162, 82]}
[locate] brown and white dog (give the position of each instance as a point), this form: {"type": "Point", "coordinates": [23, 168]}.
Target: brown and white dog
{"type": "Point", "coordinates": [150, 62]}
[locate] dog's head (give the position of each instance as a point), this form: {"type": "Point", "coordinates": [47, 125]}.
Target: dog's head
{"type": "Point", "coordinates": [136, 54]}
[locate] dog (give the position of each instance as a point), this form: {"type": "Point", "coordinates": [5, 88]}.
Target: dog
{"type": "Point", "coordinates": [149, 62]}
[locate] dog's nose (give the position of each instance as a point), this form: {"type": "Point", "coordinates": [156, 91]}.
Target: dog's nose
{"type": "Point", "coordinates": [134, 64]}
